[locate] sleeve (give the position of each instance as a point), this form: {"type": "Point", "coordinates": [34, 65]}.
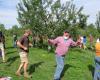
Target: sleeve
{"type": "Point", "coordinates": [21, 40]}
{"type": "Point", "coordinates": [73, 43]}
{"type": "Point", "coordinates": [53, 41]}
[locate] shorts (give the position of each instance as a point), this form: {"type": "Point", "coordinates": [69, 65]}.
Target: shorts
{"type": "Point", "coordinates": [24, 57]}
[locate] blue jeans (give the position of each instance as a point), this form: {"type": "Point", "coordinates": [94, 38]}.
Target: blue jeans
{"type": "Point", "coordinates": [97, 69]}
{"type": "Point", "coordinates": [60, 66]}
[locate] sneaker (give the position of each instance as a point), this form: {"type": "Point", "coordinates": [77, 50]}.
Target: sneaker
{"type": "Point", "coordinates": [18, 73]}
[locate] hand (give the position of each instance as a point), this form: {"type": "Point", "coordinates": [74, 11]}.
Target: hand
{"type": "Point", "coordinates": [78, 42]}
{"type": "Point", "coordinates": [25, 48]}
{"type": "Point", "coordinates": [31, 45]}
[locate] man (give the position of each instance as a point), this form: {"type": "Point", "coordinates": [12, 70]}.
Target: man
{"type": "Point", "coordinates": [2, 46]}
{"type": "Point", "coordinates": [23, 44]}
{"type": "Point", "coordinates": [62, 44]}
{"type": "Point", "coordinates": [97, 61]}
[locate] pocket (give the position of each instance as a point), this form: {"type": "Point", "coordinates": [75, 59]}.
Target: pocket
{"type": "Point", "coordinates": [23, 54]}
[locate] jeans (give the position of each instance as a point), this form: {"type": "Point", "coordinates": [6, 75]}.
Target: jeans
{"type": "Point", "coordinates": [97, 69]}
{"type": "Point", "coordinates": [60, 66]}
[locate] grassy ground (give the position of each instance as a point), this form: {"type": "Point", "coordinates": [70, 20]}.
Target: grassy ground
{"type": "Point", "coordinates": [78, 64]}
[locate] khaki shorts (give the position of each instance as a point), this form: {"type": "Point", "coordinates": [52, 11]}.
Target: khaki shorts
{"type": "Point", "coordinates": [24, 57]}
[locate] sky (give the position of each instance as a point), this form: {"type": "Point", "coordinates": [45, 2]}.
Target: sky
{"type": "Point", "coordinates": [8, 12]}
{"type": "Point", "coordinates": [91, 7]}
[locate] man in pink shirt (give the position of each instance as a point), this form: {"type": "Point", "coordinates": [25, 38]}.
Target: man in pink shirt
{"type": "Point", "coordinates": [62, 45]}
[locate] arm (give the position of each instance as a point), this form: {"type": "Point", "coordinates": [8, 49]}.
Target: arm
{"type": "Point", "coordinates": [30, 44]}
{"type": "Point", "coordinates": [53, 41]}
{"type": "Point", "coordinates": [20, 45]}
{"type": "Point", "coordinates": [73, 43]}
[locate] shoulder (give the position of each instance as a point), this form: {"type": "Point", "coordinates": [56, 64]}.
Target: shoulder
{"type": "Point", "coordinates": [70, 39]}
{"type": "Point", "coordinates": [22, 38]}
{"type": "Point", "coordinates": [60, 37]}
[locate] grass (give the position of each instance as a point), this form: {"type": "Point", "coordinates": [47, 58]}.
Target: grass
{"type": "Point", "coordinates": [79, 64]}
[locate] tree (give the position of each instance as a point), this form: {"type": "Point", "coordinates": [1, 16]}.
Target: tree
{"type": "Point", "coordinates": [98, 22]}
{"type": "Point", "coordinates": [49, 17]}
{"type": "Point", "coordinates": [83, 21]}
{"type": "Point", "coordinates": [2, 28]}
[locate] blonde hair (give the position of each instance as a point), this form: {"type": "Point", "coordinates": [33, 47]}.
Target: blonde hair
{"type": "Point", "coordinates": [28, 31]}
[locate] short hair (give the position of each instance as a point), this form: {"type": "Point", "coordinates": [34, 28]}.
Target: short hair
{"type": "Point", "coordinates": [28, 31]}
{"type": "Point", "coordinates": [66, 31]}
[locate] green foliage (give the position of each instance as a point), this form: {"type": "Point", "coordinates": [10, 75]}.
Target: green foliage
{"type": "Point", "coordinates": [92, 30]}
{"type": "Point", "coordinates": [48, 17]}
{"type": "Point", "coordinates": [2, 28]}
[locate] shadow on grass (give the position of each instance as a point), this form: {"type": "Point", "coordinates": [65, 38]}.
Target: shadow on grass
{"type": "Point", "coordinates": [10, 52]}
{"type": "Point", "coordinates": [91, 68]}
{"type": "Point", "coordinates": [66, 67]}
{"type": "Point", "coordinates": [11, 60]}
{"type": "Point", "coordinates": [10, 47]}
{"type": "Point", "coordinates": [33, 66]}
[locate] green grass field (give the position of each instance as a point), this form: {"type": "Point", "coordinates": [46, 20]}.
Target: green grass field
{"type": "Point", "coordinates": [79, 64]}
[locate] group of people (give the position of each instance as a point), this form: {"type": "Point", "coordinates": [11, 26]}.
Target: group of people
{"type": "Point", "coordinates": [62, 44]}
{"type": "Point", "coordinates": [83, 41]}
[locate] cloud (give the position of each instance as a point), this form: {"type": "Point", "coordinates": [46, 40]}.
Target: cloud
{"type": "Point", "coordinates": [8, 13]}
{"type": "Point", "coordinates": [8, 4]}
{"type": "Point", "coordinates": [91, 7]}
{"type": "Point", "coordinates": [8, 18]}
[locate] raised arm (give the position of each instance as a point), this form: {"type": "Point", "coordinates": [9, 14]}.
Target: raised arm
{"type": "Point", "coordinates": [73, 43]}
{"type": "Point", "coordinates": [53, 41]}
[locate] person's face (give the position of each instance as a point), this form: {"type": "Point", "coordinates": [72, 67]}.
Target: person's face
{"type": "Point", "coordinates": [66, 34]}
{"type": "Point", "coordinates": [28, 33]}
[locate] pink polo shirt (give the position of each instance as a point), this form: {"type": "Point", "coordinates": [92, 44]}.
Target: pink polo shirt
{"type": "Point", "coordinates": [62, 45]}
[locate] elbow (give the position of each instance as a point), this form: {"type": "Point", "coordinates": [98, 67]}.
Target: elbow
{"type": "Point", "coordinates": [18, 43]}
{"type": "Point", "coordinates": [49, 41]}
